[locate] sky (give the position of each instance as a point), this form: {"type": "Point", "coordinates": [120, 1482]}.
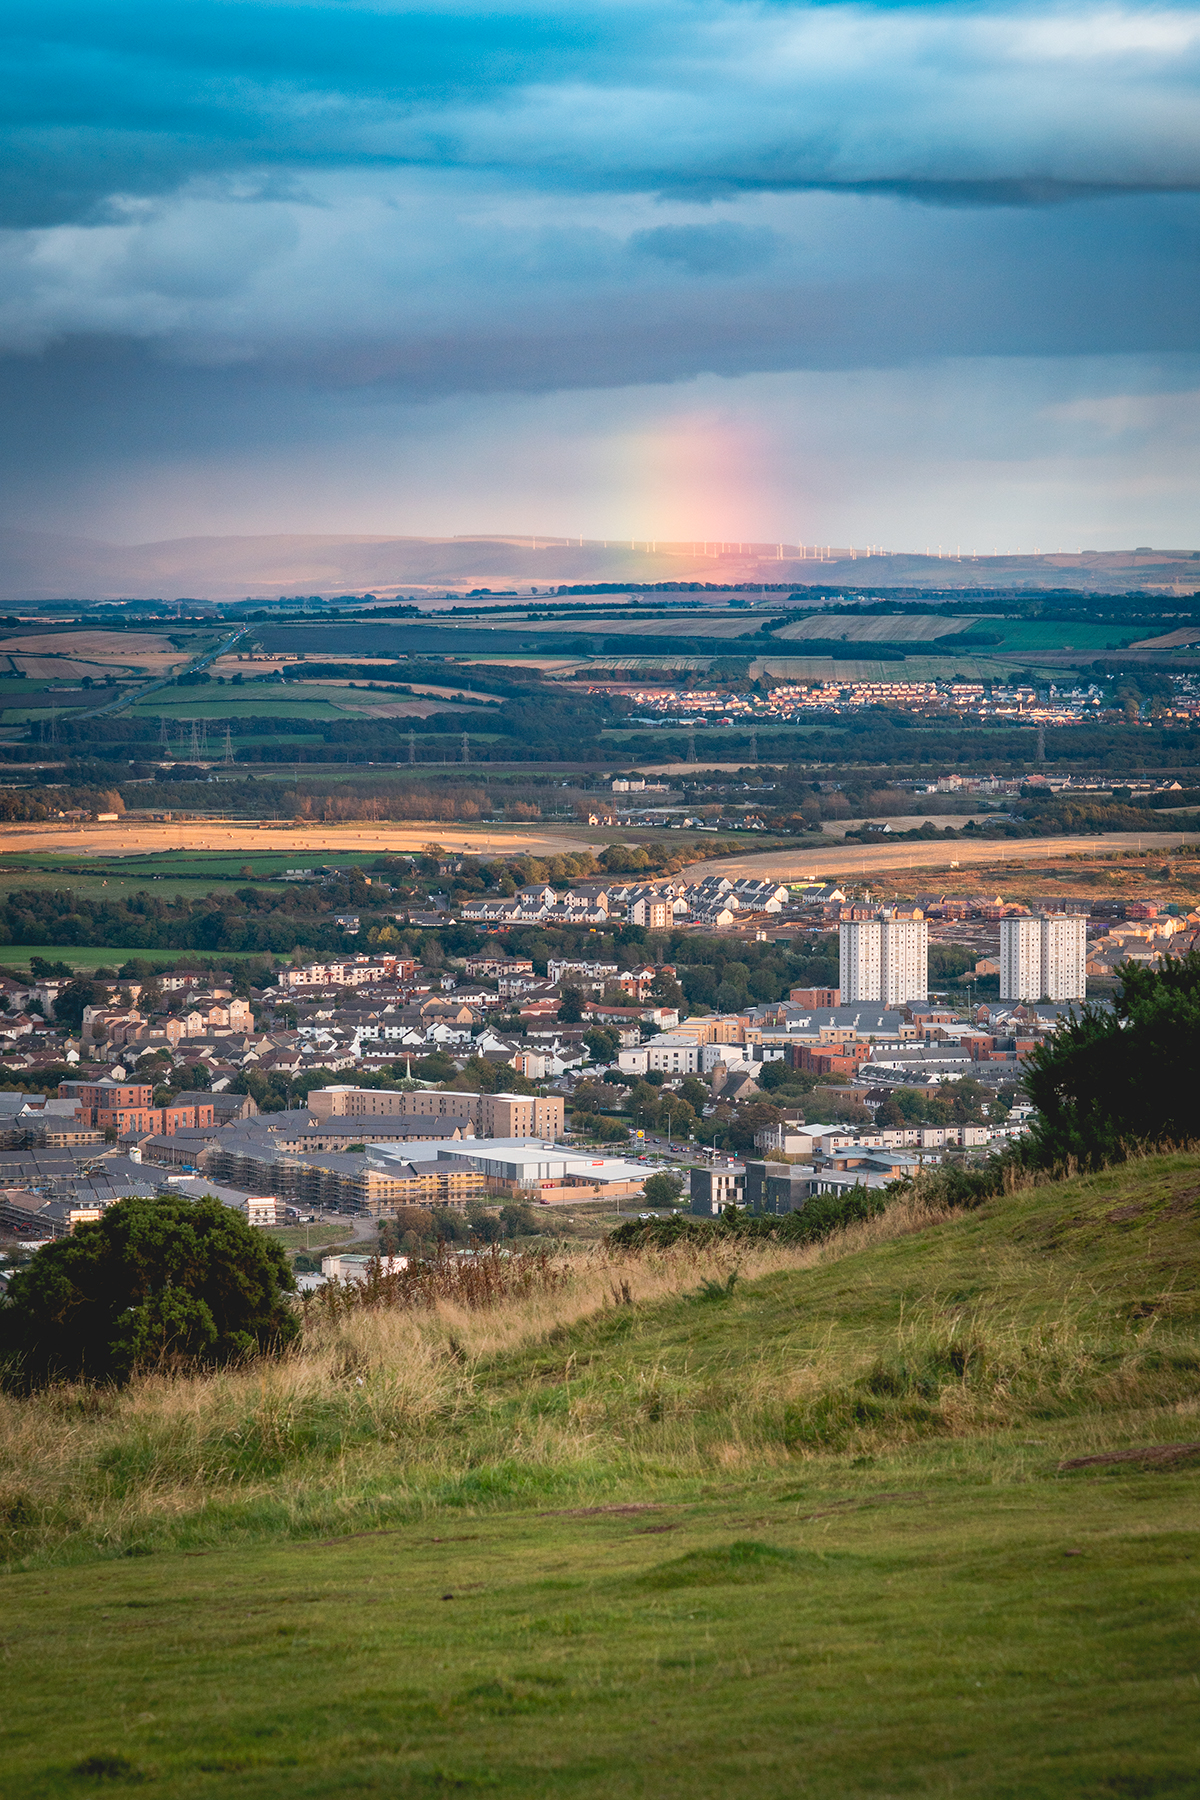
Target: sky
{"type": "Point", "coordinates": [897, 275]}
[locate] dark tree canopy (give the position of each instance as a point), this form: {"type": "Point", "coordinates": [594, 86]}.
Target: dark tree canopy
{"type": "Point", "coordinates": [571, 1010]}
{"type": "Point", "coordinates": [603, 1043]}
{"type": "Point", "coordinates": [1109, 1080]}
{"type": "Point", "coordinates": [162, 1283]}
{"type": "Point", "coordinates": [664, 1189]}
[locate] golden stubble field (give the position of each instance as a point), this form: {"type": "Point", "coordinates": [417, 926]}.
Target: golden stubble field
{"type": "Point", "coordinates": [848, 860]}
{"type": "Point", "coordinates": [136, 838]}
{"type": "Point", "coordinates": [113, 649]}
{"type": "Point", "coordinates": [916, 628]}
{"type": "Point", "coordinates": [139, 838]}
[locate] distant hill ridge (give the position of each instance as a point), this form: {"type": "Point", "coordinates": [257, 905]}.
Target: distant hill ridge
{"type": "Point", "coordinates": [44, 566]}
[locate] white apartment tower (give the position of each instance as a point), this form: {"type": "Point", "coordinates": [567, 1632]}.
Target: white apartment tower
{"type": "Point", "coordinates": [1044, 957]}
{"type": "Point", "coordinates": [884, 959]}
{"type": "Point", "coordinates": [903, 961]}
{"type": "Point", "coordinates": [859, 956]}
{"type": "Point", "coordinates": [1021, 959]}
{"type": "Point", "coordinates": [1064, 956]}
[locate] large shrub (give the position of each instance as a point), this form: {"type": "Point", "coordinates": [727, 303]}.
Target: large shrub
{"type": "Point", "coordinates": [162, 1283]}
{"type": "Point", "coordinates": [664, 1189]}
{"type": "Point", "coordinates": [818, 1218]}
{"type": "Point", "coordinates": [1108, 1080]}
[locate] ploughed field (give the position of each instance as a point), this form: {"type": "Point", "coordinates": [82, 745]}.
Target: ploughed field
{"type": "Point", "coordinates": [910, 1512]}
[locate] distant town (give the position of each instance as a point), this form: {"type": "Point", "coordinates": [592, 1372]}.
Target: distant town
{"type": "Point", "coordinates": [1049, 705]}
{"type": "Point", "coordinates": [460, 1082]}
{"type": "Point", "coordinates": [355, 908]}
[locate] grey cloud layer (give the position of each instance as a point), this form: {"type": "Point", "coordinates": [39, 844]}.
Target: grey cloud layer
{"type": "Point", "coordinates": [697, 95]}
{"type": "Point", "coordinates": [436, 283]}
{"type": "Point", "coordinates": [453, 201]}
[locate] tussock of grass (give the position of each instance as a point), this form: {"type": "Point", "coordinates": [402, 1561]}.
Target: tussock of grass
{"type": "Point", "coordinates": [743, 1561]}
{"type": "Point", "coordinates": [1068, 1305]}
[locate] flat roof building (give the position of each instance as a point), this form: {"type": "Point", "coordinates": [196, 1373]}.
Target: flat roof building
{"type": "Point", "coordinates": [492, 1115]}
{"type": "Point", "coordinates": [522, 1163]}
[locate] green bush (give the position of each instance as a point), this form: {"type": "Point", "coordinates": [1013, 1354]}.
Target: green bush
{"type": "Point", "coordinates": [663, 1189]}
{"type": "Point", "coordinates": [818, 1218]}
{"type": "Point", "coordinates": [162, 1283]}
{"type": "Point", "coordinates": [1110, 1080]}
{"type": "Point", "coordinates": [960, 1187]}
{"type": "Point", "coordinates": [604, 1130]}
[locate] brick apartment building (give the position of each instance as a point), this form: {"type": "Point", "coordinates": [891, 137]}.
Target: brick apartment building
{"type": "Point", "coordinates": [829, 1059]}
{"type": "Point", "coordinates": [492, 1115]}
{"type": "Point", "coordinates": [128, 1107]}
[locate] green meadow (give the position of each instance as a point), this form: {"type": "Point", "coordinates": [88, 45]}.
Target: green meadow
{"type": "Point", "coordinates": [13, 686]}
{"type": "Point", "coordinates": [117, 877]}
{"type": "Point", "coordinates": [964, 1638]}
{"type": "Point", "coordinates": [1019, 635]}
{"type": "Point", "coordinates": [213, 702]}
{"type": "Point", "coordinates": [15, 714]}
{"type": "Point", "coordinates": [911, 1512]}
{"type": "Point", "coordinates": [85, 957]}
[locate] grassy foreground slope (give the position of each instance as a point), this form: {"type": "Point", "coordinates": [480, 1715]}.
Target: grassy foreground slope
{"type": "Point", "coordinates": [818, 1534]}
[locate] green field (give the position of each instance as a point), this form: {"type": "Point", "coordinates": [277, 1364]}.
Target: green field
{"type": "Point", "coordinates": [924, 631]}
{"type": "Point", "coordinates": [22, 715]}
{"type": "Point", "coordinates": [815, 1532]}
{"type": "Point", "coordinates": [194, 865]}
{"type": "Point", "coordinates": [989, 1640]}
{"type": "Point", "coordinates": [264, 702]}
{"type": "Point", "coordinates": [304, 1237]}
{"type": "Point", "coordinates": [108, 878]}
{"type": "Point", "coordinates": [1020, 635]}
{"type": "Point", "coordinates": [84, 957]}
{"type": "Point", "coordinates": [327, 707]}
{"type": "Point", "coordinates": [227, 865]}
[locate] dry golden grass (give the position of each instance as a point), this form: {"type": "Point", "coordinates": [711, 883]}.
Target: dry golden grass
{"type": "Point", "coordinates": [1054, 1311]}
{"type": "Point", "coordinates": [139, 837]}
{"type": "Point", "coordinates": [989, 860]}
{"type": "Point", "coordinates": [113, 649]}
{"type": "Point", "coordinates": [99, 1464]}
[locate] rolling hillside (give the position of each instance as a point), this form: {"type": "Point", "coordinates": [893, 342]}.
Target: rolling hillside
{"type": "Point", "coordinates": [912, 1512]}
{"type": "Point", "coordinates": [41, 565]}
